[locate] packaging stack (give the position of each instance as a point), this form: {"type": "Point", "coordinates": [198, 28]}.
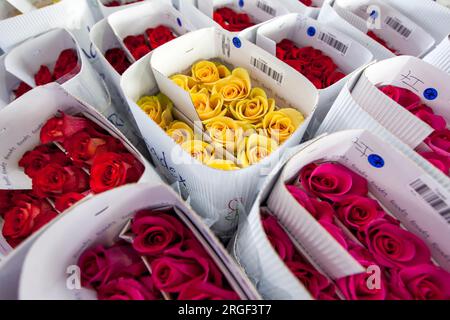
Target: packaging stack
{"type": "Point", "coordinates": [224, 150]}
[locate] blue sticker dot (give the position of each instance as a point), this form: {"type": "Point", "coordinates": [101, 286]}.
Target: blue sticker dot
{"type": "Point", "coordinates": [237, 42]}
{"type": "Point", "coordinates": [430, 94]}
{"type": "Point", "coordinates": [241, 3]}
{"type": "Point", "coordinates": [374, 14]}
{"type": "Point", "coordinates": [311, 31]}
{"type": "Point", "coordinates": [179, 22]}
{"type": "Point", "coordinates": [376, 161]}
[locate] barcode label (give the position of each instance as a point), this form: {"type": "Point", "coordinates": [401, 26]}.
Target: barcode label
{"type": "Point", "coordinates": [266, 8]}
{"type": "Point", "coordinates": [261, 65]}
{"type": "Point", "coordinates": [333, 42]}
{"type": "Point", "coordinates": [396, 25]}
{"type": "Point", "coordinates": [436, 201]}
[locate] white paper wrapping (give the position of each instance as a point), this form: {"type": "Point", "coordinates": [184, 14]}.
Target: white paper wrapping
{"type": "Point", "coordinates": [100, 221]}
{"type": "Point", "coordinates": [440, 56]}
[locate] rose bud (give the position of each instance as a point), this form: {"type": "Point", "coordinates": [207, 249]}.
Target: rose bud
{"type": "Point", "coordinates": [159, 36]}
{"type": "Point", "coordinates": [66, 62]}
{"type": "Point", "coordinates": [21, 89]}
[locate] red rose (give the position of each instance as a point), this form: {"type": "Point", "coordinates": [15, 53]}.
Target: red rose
{"type": "Point", "coordinates": [333, 78]}
{"type": "Point", "coordinates": [307, 3]}
{"type": "Point", "coordinates": [59, 128]}
{"type": "Point", "coordinates": [118, 59]}
{"type": "Point", "coordinates": [402, 96]}
{"type": "Point", "coordinates": [84, 145]}
{"type": "Point", "coordinates": [332, 181]}
{"type": "Point", "coordinates": [231, 20]}
{"type": "Point", "coordinates": [66, 63]}
{"type": "Point", "coordinates": [394, 247]}
{"type": "Point", "coordinates": [110, 170]}
{"type": "Point", "coordinates": [314, 80]}
{"type": "Point", "coordinates": [140, 51]}
{"type": "Point", "coordinates": [39, 157]}
{"type": "Point", "coordinates": [156, 232]}
{"type": "Point", "coordinates": [56, 180]}
{"type": "Point", "coordinates": [158, 36]}
{"type": "Point", "coordinates": [137, 46]}
{"type": "Point", "coordinates": [26, 216]}
{"type": "Point", "coordinates": [381, 41]}
{"type": "Point", "coordinates": [64, 202]}
{"type": "Point", "coordinates": [43, 76]}
{"type": "Point", "coordinates": [5, 201]}
{"type": "Point", "coordinates": [322, 67]}
{"type": "Point", "coordinates": [21, 89]}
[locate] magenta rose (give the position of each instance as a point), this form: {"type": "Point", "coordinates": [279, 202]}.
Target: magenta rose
{"type": "Point", "coordinates": [126, 289]}
{"type": "Point", "coordinates": [402, 96]}
{"type": "Point", "coordinates": [98, 265]}
{"type": "Point", "coordinates": [360, 287]}
{"type": "Point", "coordinates": [434, 121]}
{"type": "Point", "coordinates": [437, 160]}
{"type": "Point", "coordinates": [421, 282]}
{"type": "Point", "coordinates": [335, 232]}
{"type": "Point", "coordinates": [199, 290]}
{"type": "Point", "coordinates": [182, 265]}
{"type": "Point", "coordinates": [278, 238]}
{"type": "Point", "coordinates": [156, 232]}
{"type": "Point", "coordinates": [332, 181]}
{"type": "Point", "coordinates": [439, 142]}
{"type": "Point", "coordinates": [394, 247]}
{"type": "Point", "coordinates": [320, 210]}
{"type": "Point", "coordinates": [313, 280]}
{"type": "Point", "coordinates": [356, 212]}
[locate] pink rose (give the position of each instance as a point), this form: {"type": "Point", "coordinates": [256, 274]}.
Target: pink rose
{"type": "Point", "coordinates": [127, 289]}
{"type": "Point", "coordinates": [335, 232]}
{"type": "Point", "coordinates": [182, 265]}
{"type": "Point", "coordinates": [359, 286]}
{"type": "Point", "coordinates": [403, 97]}
{"type": "Point", "coordinates": [98, 265]}
{"type": "Point", "coordinates": [434, 121]}
{"type": "Point", "coordinates": [156, 232]}
{"type": "Point", "coordinates": [314, 281]}
{"type": "Point", "coordinates": [394, 247]}
{"type": "Point", "coordinates": [356, 212]}
{"type": "Point", "coordinates": [320, 210]}
{"type": "Point", "coordinates": [278, 238]}
{"type": "Point", "coordinates": [437, 160]}
{"type": "Point", "coordinates": [421, 282]}
{"type": "Point", "coordinates": [332, 181]}
{"type": "Point", "coordinates": [439, 142]}
{"type": "Point", "coordinates": [199, 290]}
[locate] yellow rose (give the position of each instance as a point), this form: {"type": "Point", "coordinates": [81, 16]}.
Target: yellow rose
{"type": "Point", "coordinates": [223, 70]}
{"type": "Point", "coordinates": [180, 132]}
{"type": "Point", "coordinates": [254, 108]}
{"type": "Point", "coordinates": [186, 83]}
{"type": "Point", "coordinates": [281, 124]}
{"type": "Point", "coordinates": [158, 108]}
{"type": "Point", "coordinates": [207, 106]}
{"type": "Point", "coordinates": [205, 72]}
{"type": "Point", "coordinates": [224, 131]}
{"type": "Point", "coordinates": [237, 86]}
{"type": "Point", "coordinates": [200, 150]}
{"type": "Point", "coordinates": [255, 148]}
{"type": "Point", "coordinates": [221, 164]}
